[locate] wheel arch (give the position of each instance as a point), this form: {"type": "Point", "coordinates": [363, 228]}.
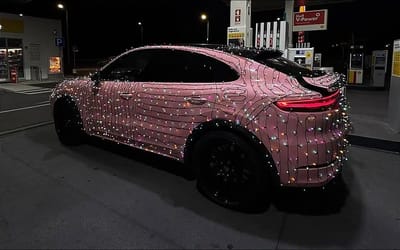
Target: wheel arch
{"type": "Point", "coordinates": [67, 101]}
{"type": "Point", "coordinates": [64, 100]}
{"type": "Point", "coordinates": [239, 130]}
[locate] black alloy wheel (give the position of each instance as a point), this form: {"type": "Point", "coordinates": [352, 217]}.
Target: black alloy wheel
{"type": "Point", "coordinates": [230, 171]}
{"type": "Point", "coordinates": [68, 123]}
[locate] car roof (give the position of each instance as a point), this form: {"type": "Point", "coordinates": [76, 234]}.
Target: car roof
{"type": "Point", "coordinates": [220, 51]}
{"type": "Point", "coordinates": [246, 52]}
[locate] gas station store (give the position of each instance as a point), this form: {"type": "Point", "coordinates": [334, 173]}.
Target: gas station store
{"type": "Point", "coordinates": [30, 48]}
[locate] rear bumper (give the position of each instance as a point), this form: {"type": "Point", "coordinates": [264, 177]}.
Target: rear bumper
{"type": "Point", "coordinates": [316, 163]}
{"type": "Point", "coordinates": [316, 176]}
{"type": "Point", "coordinates": [307, 149]}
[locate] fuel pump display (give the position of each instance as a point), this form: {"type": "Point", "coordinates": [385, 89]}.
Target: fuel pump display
{"type": "Point", "coordinates": [302, 56]}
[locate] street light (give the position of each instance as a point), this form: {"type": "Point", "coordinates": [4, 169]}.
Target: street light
{"type": "Point", "coordinates": [141, 32]}
{"type": "Point", "coordinates": [62, 7]}
{"type": "Point", "coordinates": [204, 17]}
{"type": "Point", "coordinates": [74, 51]}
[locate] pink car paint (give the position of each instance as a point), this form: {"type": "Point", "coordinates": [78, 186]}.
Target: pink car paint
{"type": "Point", "coordinates": [307, 148]}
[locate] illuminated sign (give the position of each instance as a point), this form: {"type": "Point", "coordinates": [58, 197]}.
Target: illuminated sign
{"type": "Point", "coordinates": [310, 20]}
{"type": "Point", "coordinates": [396, 59]}
{"type": "Point", "coordinates": [59, 42]}
{"type": "Point", "coordinates": [238, 16]}
{"type": "Point", "coordinates": [236, 36]}
{"type": "Point", "coordinates": [54, 65]}
{"type": "Point", "coordinates": [12, 25]}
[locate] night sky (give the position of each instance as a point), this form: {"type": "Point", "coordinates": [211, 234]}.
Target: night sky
{"type": "Point", "coordinates": [101, 29]}
{"type": "Point", "coordinates": [111, 28]}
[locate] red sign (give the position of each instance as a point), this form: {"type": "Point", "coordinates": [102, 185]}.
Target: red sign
{"type": "Point", "coordinates": [310, 20]}
{"type": "Point", "coordinates": [237, 15]}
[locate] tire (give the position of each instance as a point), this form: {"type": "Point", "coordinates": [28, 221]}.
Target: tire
{"type": "Point", "coordinates": [68, 123]}
{"type": "Point", "coordinates": [231, 172]}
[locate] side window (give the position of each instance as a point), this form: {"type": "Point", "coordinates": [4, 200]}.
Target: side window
{"type": "Point", "coordinates": [223, 72]}
{"type": "Point", "coordinates": [182, 66]}
{"type": "Point", "coordinates": [126, 68]}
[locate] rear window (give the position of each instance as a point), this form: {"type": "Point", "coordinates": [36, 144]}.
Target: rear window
{"type": "Point", "coordinates": [285, 66]}
{"type": "Point", "coordinates": [271, 58]}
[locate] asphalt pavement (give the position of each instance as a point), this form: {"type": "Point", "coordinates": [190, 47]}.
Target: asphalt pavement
{"type": "Point", "coordinates": [24, 105]}
{"type": "Point", "coordinates": [102, 195]}
{"type": "Point", "coordinates": [369, 117]}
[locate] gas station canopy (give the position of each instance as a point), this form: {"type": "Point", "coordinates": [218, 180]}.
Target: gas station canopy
{"type": "Point", "coordinates": [15, 1]}
{"type": "Point", "coordinates": [257, 5]}
{"type": "Point", "coordinates": [264, 5]}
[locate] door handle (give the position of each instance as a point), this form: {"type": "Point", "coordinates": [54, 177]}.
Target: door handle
{"type": "Point", "coordinates": [196, 100]}
{"type": "Point", "coordinates": [126, 96]}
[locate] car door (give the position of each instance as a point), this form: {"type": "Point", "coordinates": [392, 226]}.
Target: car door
{"type": "Point", "coordinates": [176, 93]}
{"type": "Point", "coordinates": [112, 99]}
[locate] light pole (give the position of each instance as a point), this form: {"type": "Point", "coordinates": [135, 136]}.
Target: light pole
{"type": "Point", "coordinates": [204, 17]}
{"type": "Point", "coordinates": [141, 32]}
{"type": "Point", "coordinates": [62, 7]}
{"type": "Point", "coordinates": [74, 51]}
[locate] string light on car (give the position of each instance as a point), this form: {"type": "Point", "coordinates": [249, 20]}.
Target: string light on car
{"type": "Point", "coordinates": [304, 148]}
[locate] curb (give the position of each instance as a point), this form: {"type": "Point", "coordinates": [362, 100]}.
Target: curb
{"type": "Point", "coordinates": [391, 146]}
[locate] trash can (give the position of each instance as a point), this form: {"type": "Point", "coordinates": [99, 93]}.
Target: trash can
{"type": "Point", "coordinates": [13, 75]}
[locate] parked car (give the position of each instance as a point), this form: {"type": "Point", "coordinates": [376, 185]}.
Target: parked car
{"type": "Point", "coordinates": [242, 119]}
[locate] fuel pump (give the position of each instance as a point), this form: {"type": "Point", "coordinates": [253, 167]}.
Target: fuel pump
{"type": "Point", "coordinates": [356, 65]}
{"type": "Point", "coordinates": [302, 56]}
{"type": "Point", "coordinates": [379, 67]}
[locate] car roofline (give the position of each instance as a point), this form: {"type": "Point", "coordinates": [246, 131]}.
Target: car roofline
{"type": "Point", "coordinates": [256, 54]}
{"type": "Point", "coordinates": [247, 52]}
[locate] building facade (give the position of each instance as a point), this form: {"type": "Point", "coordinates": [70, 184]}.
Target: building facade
{"type": "Point", "coordinates": [32, 47]}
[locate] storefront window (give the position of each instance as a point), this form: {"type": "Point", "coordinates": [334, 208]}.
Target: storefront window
{"type": "Point", "coordinates": [2, 42]}
{"type": "Point", "coordinates": [15, 60]}
{"type": "Point", "coordinates": [14, 43]}
{"type": "Point", "coordinates": [3, 64]}
{"type": "Point", "coordinates": [3, 60]}
{"type": "Point", "coordinates": [11, 57]}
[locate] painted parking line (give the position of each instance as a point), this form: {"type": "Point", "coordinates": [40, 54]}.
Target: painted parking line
{"type": "Point", "coordinates": [12, 131]}
{"type": "Point", "coordinates": [44, 104]}
{"type": "Point", "coordinates": [34, 91]}
{"type": "Point", "coordinates": [26, 89]}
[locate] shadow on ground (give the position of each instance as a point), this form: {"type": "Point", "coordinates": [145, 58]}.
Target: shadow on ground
{"type": "Point", "coordinates": [313, 214]}
{"type": "Point", "coordinates": [308, 201]}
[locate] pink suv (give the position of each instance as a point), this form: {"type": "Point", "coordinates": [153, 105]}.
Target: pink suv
{"type": "Point", "coordinates": [241, 118]}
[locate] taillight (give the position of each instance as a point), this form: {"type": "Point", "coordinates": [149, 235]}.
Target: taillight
{"type": "Point", "coordinates": [315, 104]}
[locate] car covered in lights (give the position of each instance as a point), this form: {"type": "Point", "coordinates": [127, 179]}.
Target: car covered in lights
{"type": "Point", "coordinates": [242, 119]}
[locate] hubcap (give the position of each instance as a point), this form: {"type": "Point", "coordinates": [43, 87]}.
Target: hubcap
{"type": "Point", "coordinates": [225, 172]}
{"type": "Point", "coordinates": [67, 120]}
